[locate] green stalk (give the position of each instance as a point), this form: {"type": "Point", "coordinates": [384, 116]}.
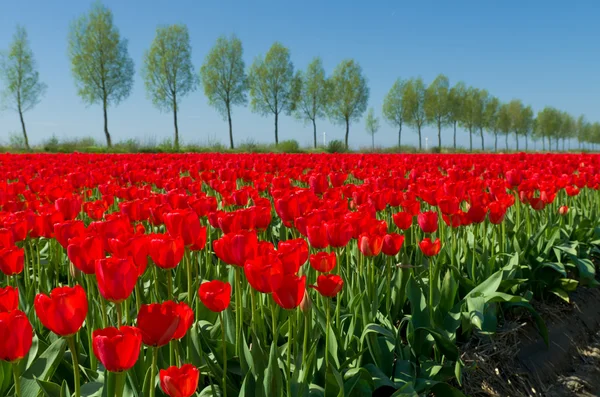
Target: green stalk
{"type": "Point", "coordinates": [189, 277]}
{"type": "Point", "coordinates": [224, 355]}
{"type": "Point", "coordinates": [326, 301]}
{"type": "Point", "coordinates": [119, 313]}
{"type": "Point", "coordinates": [238, 310]}
{"type": "Point", "coordinates": [305, 341]}
{"type": "Point", "coordinates": [289, 356]}
{"type": "Point", "coordinates": [119, 383]}
{"type": "Point", "coordinates": [17, 379]}
{"type": "Point", "coordinates": [76, 375]}
{"type": "Point", "coordinates": [153, 371]}
{"type": "Point", "coordinates": [170, 284]}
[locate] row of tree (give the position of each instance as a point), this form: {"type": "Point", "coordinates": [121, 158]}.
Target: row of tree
{"type": "Point", "coordinates": [103, 72]}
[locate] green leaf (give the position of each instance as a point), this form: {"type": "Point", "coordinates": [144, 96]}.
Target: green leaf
{"type": "Point", "coordinates": [444, 344]}
{"type": "Point", "coordinates": [334, 384]}
{"type": "Point", "coordinates": [64, 390]}
{"type": "Point", "coordinates": [43, 368]}
{"type": "Point", "coordinates": [561, 293]}
{"type": "Point", "coordinates": [476, 307]}
{"type": "Point", "coordinates": [49, 389]}
{"type": "Point", "coordinates": [273, 385]}
{"type": "Point", "coordinates": [445, 390]}
{"type": "Point", "coordinates": [539, 322]}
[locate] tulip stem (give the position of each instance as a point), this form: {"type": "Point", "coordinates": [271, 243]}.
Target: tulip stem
{"type": "Point", "coordinates": [153, 372]}
{"type": "Point", "coordinates": [16, 377]}
{"type": "Point", "coordinates": [289, 355]}
{"type": "Point", "coordinates": [119, 313]}
{"type": "Point", "coordinates": [326, 301]}
{"type": "Point", "coordinates": [189, 277]}
{"type": "Point", "coordinates": [119, 383]}
{"type": "Point", "coordinates": [224, 355]}
{"type": "Point", "coordinates": [73, 349]}
{"type": "Point", "coordinates": [305, 341]}
{"type": "Point", "coordinates": [238, 310]}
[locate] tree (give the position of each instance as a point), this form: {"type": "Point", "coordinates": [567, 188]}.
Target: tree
{"type": "Point", "coordinates": [527, 124]}
{"type": "Point", "coordinates": [567, 128]}
{"type": "Point", "coordinates": [515, 111]}
{"type": "Point", "coordinates": [582, 129]}
{"type": "Point", "coordinates": [101, 65]}
{"type": "Point", "coordinates": [349, 94]}
{"type": "Point", "coordinates": [394, 111]}
{"type": "Point", "coordinates": [456, 98]}
{"type": "Point", "coordinates": [23, 88]}
{"type": "Point", "coordinates": [504, 122]}
{"type": "Point", "coordinates": [372, 125]}
{"type": "Point", "coordinates": [168, 72]}
{"type": "Point", "coordinates": [271, 81]}
{"type": "Point", "coordinates": [311, 94]}
{"type": "Point", "coordinates": [437, 104]}
{"type": "Point", "coordinates": [545, 122]}
{"type": "Point", "coordinates": [469, 115]}
{"type": "Point", "coordinates": [224, 79]}
{"type": "Point", "coordinates": [479, 103]}
{"type": "Point", "coordinates": [414, 101]}
{"type": "Point", "coordinates": [492, 108]}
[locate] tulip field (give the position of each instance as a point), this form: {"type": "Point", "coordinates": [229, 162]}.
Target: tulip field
{"type": "Point", "coordinates": [279, 274]}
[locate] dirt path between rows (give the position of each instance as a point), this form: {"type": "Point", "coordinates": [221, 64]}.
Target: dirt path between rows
{"type": "Point", "coordinates": [584, 379]}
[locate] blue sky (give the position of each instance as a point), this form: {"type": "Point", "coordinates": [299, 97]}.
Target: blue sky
{"type": "Point", "coordinates": [542, 52]}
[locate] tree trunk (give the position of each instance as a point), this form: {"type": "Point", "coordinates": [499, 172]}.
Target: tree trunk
{"type": "Point", "coordinates": [549, 143]}
{"type": "Point", "coordinates": [276, 131]}
{"type": "Point", "coordinates": [400, 136]}
{"type": "Point", "coordinates": [495, 141]}
{"type": "Point", "coordinates": [347, 132]}
{"type": "Point", "coordinates": [517, 139]}
{"type": "Point", "coordinates": [440, 136]}
{"type": "Point", "coordinates": [564, 139]}
{"type": "Point", "coordinates": [482, 144]}
{"type": "Point", "coordinates": [470, 139]}
{"type": "Point", "coordinates": [506, 136]}
{"type": "Point", "coordinates": [373, 141]}
{"type": "Point", "coordinates": [455, 135]}
{"type": "Point", "coordinates": [175, 123]}
{"type": "Point", "coordinates": [106, 133]}
{"type": "Point", "coordinates": [315, 132]}
{"type": "Point", "coordinates": [25, 139]}
{"type": "Point", "coordinates": [419, 131]}
{"type": "Point", "coordinates": [557, 144]}
{"type": "Point", "coordinates": [543, 143]}
{"type": "Point", "coordinates": [526, 143]}
{"type": "Point", "coordinates": [230, 127]}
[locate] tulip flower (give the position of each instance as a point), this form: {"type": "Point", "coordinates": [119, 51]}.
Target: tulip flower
{"type": "Point", "coordinates": [236, 248]}
{"type": "Point", "coordinates": [84, 251]}
{"type": "Point", "coordinates": [186, 318]}
{"type": "Point", "coordinates": [118, 350]}
{"type": "Point", "coordinates": [166, 251]}
{"type": "Point", "coordinates": [215, 295]}
{"type": "Point", "coordinates": [184, 224]}
{"type": "Point", "coordinates": [403, 220]}
{"type": "Point", "coordinates": [264, 273]}
{"type": "Point", "coordinates": [158, 323]}
{"type": "Point", "coordinates": [428, 221]}
{"type": "Point", "coordinates": [9, 299]}
{"type": "Point", "coordinates": [328, 285]}
{"type": "Point", "coordinates": [339, 233]}
{"type": "Point", "coordinates": [65, 231]}
{"type": "Point", "coordinates": [291, 292]}
{"type": "Point", "coordinates": [116, 278]}
{"type": "Point", "coordinates": [70, 207]}
{"type": "Point", "coordinates": [6, 238]}
{"type": "Point", "coordinates": [430, 248]}
{"type": "Point", "coordinates": [317, 236]}
{"type": "Point", "coordinates": [563, 210]}
{"type": "Point", "coordinates": [179, 382]}
{"type": "Point", "coordinates": [370, 245]}
{"type": "Point", "coordinates": [11, 260]}
{"type": "Point", "coordinates": [392, 243]}
{"type": "Point", "coordinates": [16, 336]}
{"type": "Point", "coordinates": [292, 254]}
{"type": "Point", "coordinates": [323, 262]}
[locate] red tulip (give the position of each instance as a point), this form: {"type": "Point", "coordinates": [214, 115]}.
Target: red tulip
{"type": "Point", "coordinates": [317, 236]}
{"type": "Point", "coordinates": [403, 220]}
{"type": "Point", "coordinates": [339, 233]}
{"type": "Point", "coordinates": [116, 278]}
{"type": "Point", "coordinates": [179, 382]}
{"type": "Point", "coordinates": [328, 285]}
{"type": "Point", "coordinates": [117, 349]}
{"type": "Point", "coordinates": [84, 251]}
{"type": "Point", "coordinates": [166, 251]}
{"type": "Point", "coordinates": [183, 223]}
{"type": "Point", "coordinates": [9, 299]}
{"type": "Point", "coordinates": [12, 260]}
{"type": "Point", "coordinates": [215, 295]}
{"type": "Point", "coordinates": [6, 238]}
{"type": "Point", "coordinates": [291, 292]}
{"type": "Point", "coordinates": [70, 207]}
{"type": "Point", "coordinates": [65, 231]}
{"type": "Point", "coordinates": [323, 262]}
{"type": "Point", "coordinates": [186, 318]}
{"type": "Point", "coordinates": [264, 273]}
{"type": "Point", "coordinates": [16, 335]}
{"type": "Point", "coordinates": [428, 221]}
{"type": "Point", "coordinates": [476, 213]}
{"type": "Point", "coordinates": [236, 248]}
{"type": "Point", "coordinates": [392, 243]}
{"type": "Point", "coordinates": [448, 205]}
{"type": "Point", "coordinates": [63, 311]}
{"type": "Point", "coordinates": [430, 248]}
{"type": "Point", "coordinates": [293, 254]}
{"type": "Point", "coordinates": [563, 210]}
{"type": "Point", "coordinates": [136, 247]}
{"type": "Point", "coordinates": [370, 245]}
{"type": "Point", "coordinates": [497, 212]}
{"type": "Point", "coordinates": [158, 323]}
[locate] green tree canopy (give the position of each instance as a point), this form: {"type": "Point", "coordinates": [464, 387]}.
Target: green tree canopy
{"type": "Point", "coordinates": [456, 99]}
{"type": "Point", "coordinates": [224, 79]}
{"type": "Point", "coordinates": [349, 94]}
{"type": "Point", "coordinates": [437, 104]}
{"type": "Point", "coordinates": [394, 111]}
{"type": "Point", "coordinates": [271, 84]}
{"type": "Point", "coordinates": [414, 101]}
{"type": "Point", "coordinates": [18, 71]}
{"type": "Point", "coordinates": [372, 125]}
{"type": "Point", "coordinates": [492, 109]}
{"type": "Point", "coordinates": [311, 94]}
{"type": "Point", "coordinates": [100, 62]}
{"type": "Point", "coordinates": [168, 72]}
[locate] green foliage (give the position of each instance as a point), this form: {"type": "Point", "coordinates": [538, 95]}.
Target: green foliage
{"type": "Point", "coordinates": [336, 146]}
{"type": "Point", "coordinates": [100, 62]}
{"type": "Point", "coordinates": [271, 79]}
{"type": "Point", "coordinates": [414, 102]}
{"type": "Point", "coordinates": [437, 104]}
{"type": "Point", "coordinates": [289, 146]}
{"type": "Point", "coordinates": [311, 93]}
{"type": "Point", "coordinates": [223, 77]}
{"type": "Point", "coordinates": [18, 72]}
{"type": "Point", "coordinates": [349, 94]}
{"type": "Point", "coordinates": [167, 71]}
{"type": "Point", "coordinates": [394, 111]}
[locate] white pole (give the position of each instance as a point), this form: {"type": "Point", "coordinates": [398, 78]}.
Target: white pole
{"type": "Point", "coordinates": [324, 138]}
